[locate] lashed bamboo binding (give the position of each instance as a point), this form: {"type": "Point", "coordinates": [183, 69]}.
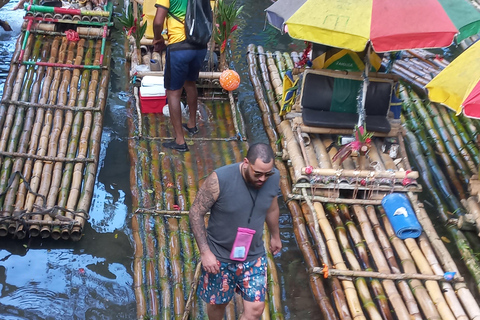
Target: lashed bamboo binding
{"type": "Point", "coordinates": [349, 232]}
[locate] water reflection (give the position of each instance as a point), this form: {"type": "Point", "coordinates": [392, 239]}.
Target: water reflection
{"type": "Point", "coordinates": [62, 283]}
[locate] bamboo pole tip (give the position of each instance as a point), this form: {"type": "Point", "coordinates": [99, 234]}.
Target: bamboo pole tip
{"type": "Point", "coordinates": [76, 235]}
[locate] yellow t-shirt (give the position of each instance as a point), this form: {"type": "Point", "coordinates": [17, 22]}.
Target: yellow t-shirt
{"type": "Point", "coordinates": [175, 28]}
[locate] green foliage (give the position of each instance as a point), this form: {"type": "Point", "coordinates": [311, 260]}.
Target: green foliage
{"type": "Point", "coordinates": [225, 22]}
{"type": "Point", "coordinates": [131, 25]}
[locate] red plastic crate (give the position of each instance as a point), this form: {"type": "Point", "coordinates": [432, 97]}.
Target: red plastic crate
{"type": "Point", "coordinates": [152, 104]}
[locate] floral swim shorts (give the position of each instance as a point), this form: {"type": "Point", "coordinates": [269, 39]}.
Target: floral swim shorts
{"type": "Point", "coordinates": [249, 279]}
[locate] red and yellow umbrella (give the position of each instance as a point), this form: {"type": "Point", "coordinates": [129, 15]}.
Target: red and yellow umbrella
{"type": "Point", "coordinates": [388, 25]}
{"type": "Point", "coordinates": [458, 85]}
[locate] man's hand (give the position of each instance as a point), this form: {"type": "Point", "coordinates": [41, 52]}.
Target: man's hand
{"type": "Point", "coordinates": [275, 245]}
{"type": "Point", "coordinates": [210, 262]}
{"type": "Point", "coordinates": [159, 45]}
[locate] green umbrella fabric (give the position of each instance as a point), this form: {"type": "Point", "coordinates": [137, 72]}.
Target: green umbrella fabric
{"type": "Point", "coordinates": [464, 16]}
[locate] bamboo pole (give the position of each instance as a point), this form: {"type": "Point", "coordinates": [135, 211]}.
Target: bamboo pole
{"type": "Point", "coordinates": [38, 105]}
{"type": "Point", "coordinates": [184, 227]}
{"type": "Point", "coordinates": [451, 119]}
{"type": "Point", "coordinates": [266, 116]}
{"type": "Point", "coordinates": [432, 287]}
{"type": "Point", "coordinates": [380, 261]}
{"type": "Point", "coordinates": [453, 143]}
{"type": "Point", "coordinates": [15, 95]}
{"type": "Point", "coordinates": [448, 264]}
{"type": "Point", "coordinates": [408, 297]}
{"type": "Point", "coordinates": [272, 102]}
{"type": "Point", "coordinates": [275, 76]}
{"type": "Point", "coordinates": [275, 310]}
{"type": "Point", "coordinates": [383, 311]}
{"type": "Point", "coordinates": [425, 302]}
{"type": "Point", "coordinates": [431, 155]}
{"type": "Point", "coordinates": [162, 264]}
{"type": "Point", "coordinates": [302, 239]}
{"type": "Point", "coordinates": [323, 158]}
{"type": "Point", "coordinates": [293, 150]}
{"type": "Point", "coordinates": [19, 141]}
{"type": "Point", "coordinates": [49, 185]}
{"type": "Point", "coordinates": [447, 289]}
{"type": "Point", "coordinates": [35, 182]}
{"type": "Point", "coordinates": [439, 145]}
{"type": "Point", "coordinates": [34, 137]}
{"type": "Point", "coordinates": [338, 263]}
{"type": "Point", "coordinates": [94, 142]}
{"type": "Point", "coordinates": [77, 96]}
{"type": "Point", "coordinates": [135, 170]}
{"type": "Point", "coordinates": [79, 168]}
{"type": "Point", "coordinates": [335, 199]}
{"type": "Point", "coordinates": [150, 256]}
{"type": "Point", "coordinates": [461, 242]}
{"type": "Point", "coordinates": [337, 294]}
{"type": "Point", "coordinates": [363, 173]}
{"type": "Point", "coordinates": [174, 240]}
{"type": "Point", "coordinates": [332, 150]}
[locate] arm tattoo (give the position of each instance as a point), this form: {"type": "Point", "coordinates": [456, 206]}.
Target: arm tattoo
{"type": "Point", "coordinates": [204, 200]}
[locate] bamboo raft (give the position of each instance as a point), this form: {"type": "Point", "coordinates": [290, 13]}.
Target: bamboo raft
{"type": "Point", "coordinates": [164, 184]}
{"type": "Point", "coordinates": [51, 116]}
{"type": "Point", "coordinates": [359, 268]}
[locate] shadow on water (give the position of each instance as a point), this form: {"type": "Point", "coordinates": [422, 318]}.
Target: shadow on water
{"type": "Point", "coordinates": [92, 278]}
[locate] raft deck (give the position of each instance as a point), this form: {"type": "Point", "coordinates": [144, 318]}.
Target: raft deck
{"type": "Point", "coordinates": [358, 266]}
{"type": "Point", "coordinates": [164, 184]}
{"type": "Point", "coordinates": [51, 116]}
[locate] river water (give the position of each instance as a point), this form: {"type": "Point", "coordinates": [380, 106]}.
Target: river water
{"type": "Point", "coordinates": [93, 278]}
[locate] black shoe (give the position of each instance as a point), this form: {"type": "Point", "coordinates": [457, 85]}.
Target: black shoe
{"type": "Point", "coordinates": [176, 146]}
{"type": "Point", "coordinates": [191, 131]}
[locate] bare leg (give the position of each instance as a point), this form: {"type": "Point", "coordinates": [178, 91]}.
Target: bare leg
{"type": "Point", "coordinates": [174, 108]}
{"type": "Point", "coordinates": [216, 311]}
{"type": "Point", "coordinates": [192, 101]}
{"type": "Point", "coordinates": [252, 310]}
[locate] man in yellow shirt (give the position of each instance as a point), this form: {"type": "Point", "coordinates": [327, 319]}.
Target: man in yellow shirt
{"type": "Point", "coordinates": [183, 63]}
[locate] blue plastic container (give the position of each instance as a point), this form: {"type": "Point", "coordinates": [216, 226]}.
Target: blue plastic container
{"type": "Point", "coordinates": [401, 216]}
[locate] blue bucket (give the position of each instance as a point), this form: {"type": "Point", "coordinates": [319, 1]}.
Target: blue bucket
{"type": "Point", "coordinates": [401, 216]}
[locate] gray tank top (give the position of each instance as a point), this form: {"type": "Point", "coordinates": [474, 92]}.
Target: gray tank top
{"type": "Point", "coordinates": [232, 210]}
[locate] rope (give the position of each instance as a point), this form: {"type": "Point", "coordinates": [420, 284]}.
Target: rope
{"type": "Point", "coordinates": [21, 215]}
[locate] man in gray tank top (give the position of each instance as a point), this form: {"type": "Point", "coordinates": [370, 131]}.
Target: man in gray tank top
{"type": "Point", "coordinates": [240, 197]}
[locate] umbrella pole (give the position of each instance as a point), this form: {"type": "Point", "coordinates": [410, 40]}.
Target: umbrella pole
{"type": "Point", "coordinates": [361, 109]}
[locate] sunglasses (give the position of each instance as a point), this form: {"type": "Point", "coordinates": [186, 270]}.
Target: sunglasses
{"type": "Point", "coordinates": [258, 174]}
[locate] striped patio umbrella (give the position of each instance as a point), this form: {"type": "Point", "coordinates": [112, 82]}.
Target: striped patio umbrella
{"type": "Point", "coordinates": [388, 25]}
{"type": "Point", "coordinates": [458, 85]}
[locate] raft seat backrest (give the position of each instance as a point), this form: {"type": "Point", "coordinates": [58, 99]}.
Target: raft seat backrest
{"type": "Point", "coordinates": [329, 99]}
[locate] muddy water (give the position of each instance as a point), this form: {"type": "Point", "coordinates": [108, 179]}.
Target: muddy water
{"type": "Point", "coordinates": [92, 278]}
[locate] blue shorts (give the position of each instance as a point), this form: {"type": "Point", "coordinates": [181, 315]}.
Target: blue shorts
{"type": "Point", "coordinates": [249, 279]}
{"type": "Point", "coordinates": [182, 65]}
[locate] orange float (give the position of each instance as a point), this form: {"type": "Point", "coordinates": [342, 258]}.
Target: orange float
{"type": "Point", "coordinates": [229, 80]}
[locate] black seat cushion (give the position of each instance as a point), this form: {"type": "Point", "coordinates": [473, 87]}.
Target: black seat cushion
{"type": "Point", "coordinates": [378, 98]}
{"type": "Point", "coordinates": [320, 92]}
{"type": "Point", "coordinates": [329, 119]}
{"type": "Point", "coordinates": [330, 102]}
{"type": "Point", "coordinates": [341, 120]}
